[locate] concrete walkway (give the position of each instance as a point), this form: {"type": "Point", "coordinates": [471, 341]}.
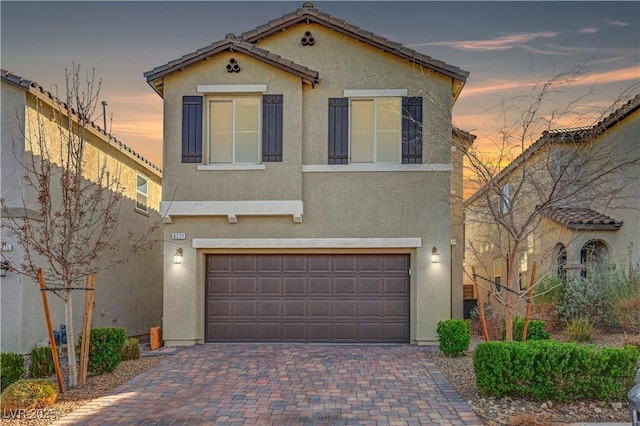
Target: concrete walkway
{"type": "Point", "coordinates": [284, 384]}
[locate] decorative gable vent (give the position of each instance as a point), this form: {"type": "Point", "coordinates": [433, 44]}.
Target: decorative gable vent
{"type": "Point", "coordinates": [308, 39]}
{"type": "Point", "coordinates": [233, 66]}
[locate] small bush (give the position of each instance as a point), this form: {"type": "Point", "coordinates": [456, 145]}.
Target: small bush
{"type": "Point", "coordinates": [104, 349]}
{"type": "Point", "coordinates": [579, 330]}
{"type": "Point", "coordinates": [551, 370]}
{"type": "Point", "coordinates": [11, 368]}
{"type": "Point", "coordinates": [631, 340]}
{"type": "Point", "coordinates": [130, 350]}
{"type": "Point", "coordinates": [628, 311]}
{"type": "Point", "coordinates": [41, 362]}
{"type": "Point", "coordinates": [454, 337]}
{"type": "Point", "coordinates": [29, 394]}
{"type": "Point", "coordinates": [536, 330]}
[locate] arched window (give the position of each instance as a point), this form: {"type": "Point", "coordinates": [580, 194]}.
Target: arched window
{"type": "Point", "coordinates": [594, 256]}
{"type": "Point", "coordinates": [561, 261]}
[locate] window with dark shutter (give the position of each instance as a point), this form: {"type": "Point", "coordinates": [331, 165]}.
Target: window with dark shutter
{"type": "Point", "coordinates": [192, 129]}
{"type": "Point", "coordinates": [338, 130]}
{"type": "Point", "coordinates": [271, 128]}
{"type": "Point", "coordinates": [411, 130]}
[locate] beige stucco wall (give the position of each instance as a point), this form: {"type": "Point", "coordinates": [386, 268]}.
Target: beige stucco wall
{"type": "Point", "coordinates": [343, 205]}
{"type": "Point", "coordinates": [127, 295]}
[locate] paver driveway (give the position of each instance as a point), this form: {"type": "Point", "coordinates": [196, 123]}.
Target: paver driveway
{"type": "Point", "coordinates": [284, 384]}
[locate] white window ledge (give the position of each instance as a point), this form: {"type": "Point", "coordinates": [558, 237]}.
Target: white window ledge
{"type": "Point", "coordinates": [232, 209]}
{"type": "Point", "coordinates": [362, 167]}
{"type": "Point", "coordinates": [231, 167]}
{"type": "Point", "coordinates": [232, 88]}
{"type": "Point", "coordinates": [306, 243]}
{"type": "Point", "coordinates": [374, 93]}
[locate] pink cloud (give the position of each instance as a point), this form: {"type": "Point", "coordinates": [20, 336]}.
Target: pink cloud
{"type": "Point", "coordinates": [590, 30]}
{"type": "Point", "coordinates": [501, 43]}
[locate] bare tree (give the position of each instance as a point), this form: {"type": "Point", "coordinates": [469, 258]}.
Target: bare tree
{"type": "Point", "coordinates": [73, 230]}
{"type": "Point", "coordinates": [546, 170]}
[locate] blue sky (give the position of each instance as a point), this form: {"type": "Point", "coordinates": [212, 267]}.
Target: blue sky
{"type": "Point", "coordinates": [506, 46]}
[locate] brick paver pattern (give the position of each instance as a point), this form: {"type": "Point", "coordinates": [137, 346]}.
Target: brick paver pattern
{"type": "Point", "coordinates": [284, 384]}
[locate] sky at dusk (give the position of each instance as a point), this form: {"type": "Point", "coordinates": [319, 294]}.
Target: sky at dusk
{"type": "Point", "coordinates": [506, 47]}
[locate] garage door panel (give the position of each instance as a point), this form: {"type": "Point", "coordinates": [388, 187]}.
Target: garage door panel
{"type": "Point", "coordinates": [294, 308]}
{"type": "Point", "coordinates": [320, 308]}
{"type": "Point", "coordinates": [319, 286]}
{"type": "Point", "coordinates": [295, 286]}
{"type": "Point", "coordinates": [345, 286]}
{"type": "Point", "coordinates": [245, 286]}
{"type": "Point", "coordinates": [307, 298]}
{"type": "Point", "coordinates": [245, 308]}
{"type": "Point", "coordinates": [269, 308]}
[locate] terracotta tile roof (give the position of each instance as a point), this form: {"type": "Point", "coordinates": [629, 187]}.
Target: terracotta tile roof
{"type": "Point", "coordinates": [574, 135]}
{"type": "Point", "coordinates": [36, 89]}
{"type": "Point", "coordinates": [230, 43]}
{"type": "Point", "coordinates": [580, 219]}
{"type": "Point", "coordinates": [309, 14]}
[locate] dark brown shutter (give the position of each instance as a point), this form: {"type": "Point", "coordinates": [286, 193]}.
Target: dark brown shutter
{"type": "Point", "coordinates": [192, 129]}
{"type": "Point", "coordinates": [338, 130]}
{"type": "Point", "coordinates": [271, 128]}
{"type": "Point", "coordinates": [412, 130]}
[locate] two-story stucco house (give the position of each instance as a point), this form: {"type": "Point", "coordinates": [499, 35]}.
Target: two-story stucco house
{"type": "Point", "coordinates": [307, 190]}
{"type": "Point", "coordinates": [584, 184]}
{"type": "Point", "coordinates": [128, 295]}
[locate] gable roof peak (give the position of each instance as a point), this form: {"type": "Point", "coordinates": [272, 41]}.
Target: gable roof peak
{"type": "Point", "coordinates": [307, 5]}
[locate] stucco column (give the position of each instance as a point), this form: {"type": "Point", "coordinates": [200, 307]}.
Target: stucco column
{"type": "Point", "coordinates": [433, 292]}
{"type": "Point", "coordinates": [179, 322]}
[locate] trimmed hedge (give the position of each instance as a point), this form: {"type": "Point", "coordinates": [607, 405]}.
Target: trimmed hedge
{"type": "Point", "coordinates": [104, 349]}
{"type": "Point", "coordinates": [454, 337]}
{"type": "Point", "coordinates": [551, 370]}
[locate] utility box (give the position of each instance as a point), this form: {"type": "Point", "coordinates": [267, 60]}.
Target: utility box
{"type": "Point", "coordinates": [155, 336]}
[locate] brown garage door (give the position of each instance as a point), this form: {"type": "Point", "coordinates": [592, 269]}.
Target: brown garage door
{"type": "Point", "coordinates": [307, 298]}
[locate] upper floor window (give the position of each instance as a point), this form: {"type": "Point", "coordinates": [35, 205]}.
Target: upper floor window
{"type": "Point", "coordinates": [505, 200]}
{"type": "Point", "coordinates": [239, 129]}
{"type": "Point", "coordinates": [142, 193]}
{"type": "Point", "coordinates": [375, 129]}
{"type": "Point", "coordinates": [234, 130]}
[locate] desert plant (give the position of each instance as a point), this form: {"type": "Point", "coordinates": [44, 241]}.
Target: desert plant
{"type": "Point", "coordinates": [11, 368]}
{"type": "Point", "coordinates": [130, 350]}
{"type": "Point", "coordinates": [631, 340]}
{"type": "Point", "coordinates": [29, 394]}
{"type": "Point", "coordinates": [591, 297]}
{"type": "Point", "coordinates": [579, 330]}
{"type": "Point", "coordinates": [104, 348]}
{"type": "Point", "coordinates": [628, 312]}
{"type": "Point", "coordinates": [454, 337]}
{"type": "Point", "coordinates": [41, 362]}
{"type": "Point", "coordinates": [494, 320]}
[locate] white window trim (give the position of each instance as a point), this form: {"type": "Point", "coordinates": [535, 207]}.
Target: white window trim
{"type": "Point", "coordinates": [375, 132]}
{"type": "Point", "coordinates": [232, 88]}
{"type": "Point", "coordinates": [379, 93]}
{"type": "Point", "coordinates": [230, 167]}
{"type": "Point", "coordinates": [371, 167]}
{"type": "Point", "coordinates": [233, 165]}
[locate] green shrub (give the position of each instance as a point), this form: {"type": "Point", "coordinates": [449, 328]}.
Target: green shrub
{"type": "Point", "coordinates": [104, 349]}
{"type": "Point", "coordinates": [550, 289]}
{"type": "Point", "coordinates": [592, 297]}
{"type": "Point", "coordinates": [454, 337]}
{"type": "Point", "coordinates": [536, 330]}
{"type": "Point", "coordinates": [29, 394]}
{"type": "Point", "coordinates": [579, 330]}
{"type": "Point", "coordinates": [11, 368]}
{"type": "Point", "coordinates": [130, 350]}
{"type": "Point", "coordinates": [41, 362]}
{"type": "Point", "coordinates": [551, 370]}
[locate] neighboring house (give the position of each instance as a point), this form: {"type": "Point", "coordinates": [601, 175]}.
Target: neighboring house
{"type": "Point", "coordinates": [308, 172]}
{"type": "Point", "coordinates": [597, 225]}
{"type": "Point", "coordinates": [127, 295]}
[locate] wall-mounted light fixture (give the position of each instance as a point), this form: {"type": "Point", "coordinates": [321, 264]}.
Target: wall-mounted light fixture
{"type": "Point", "coordinates": [435, 256]}
{"type": "Point", "coordinates": [177, 258]}
{"type": "Point", "coordinates": [4, 267]}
